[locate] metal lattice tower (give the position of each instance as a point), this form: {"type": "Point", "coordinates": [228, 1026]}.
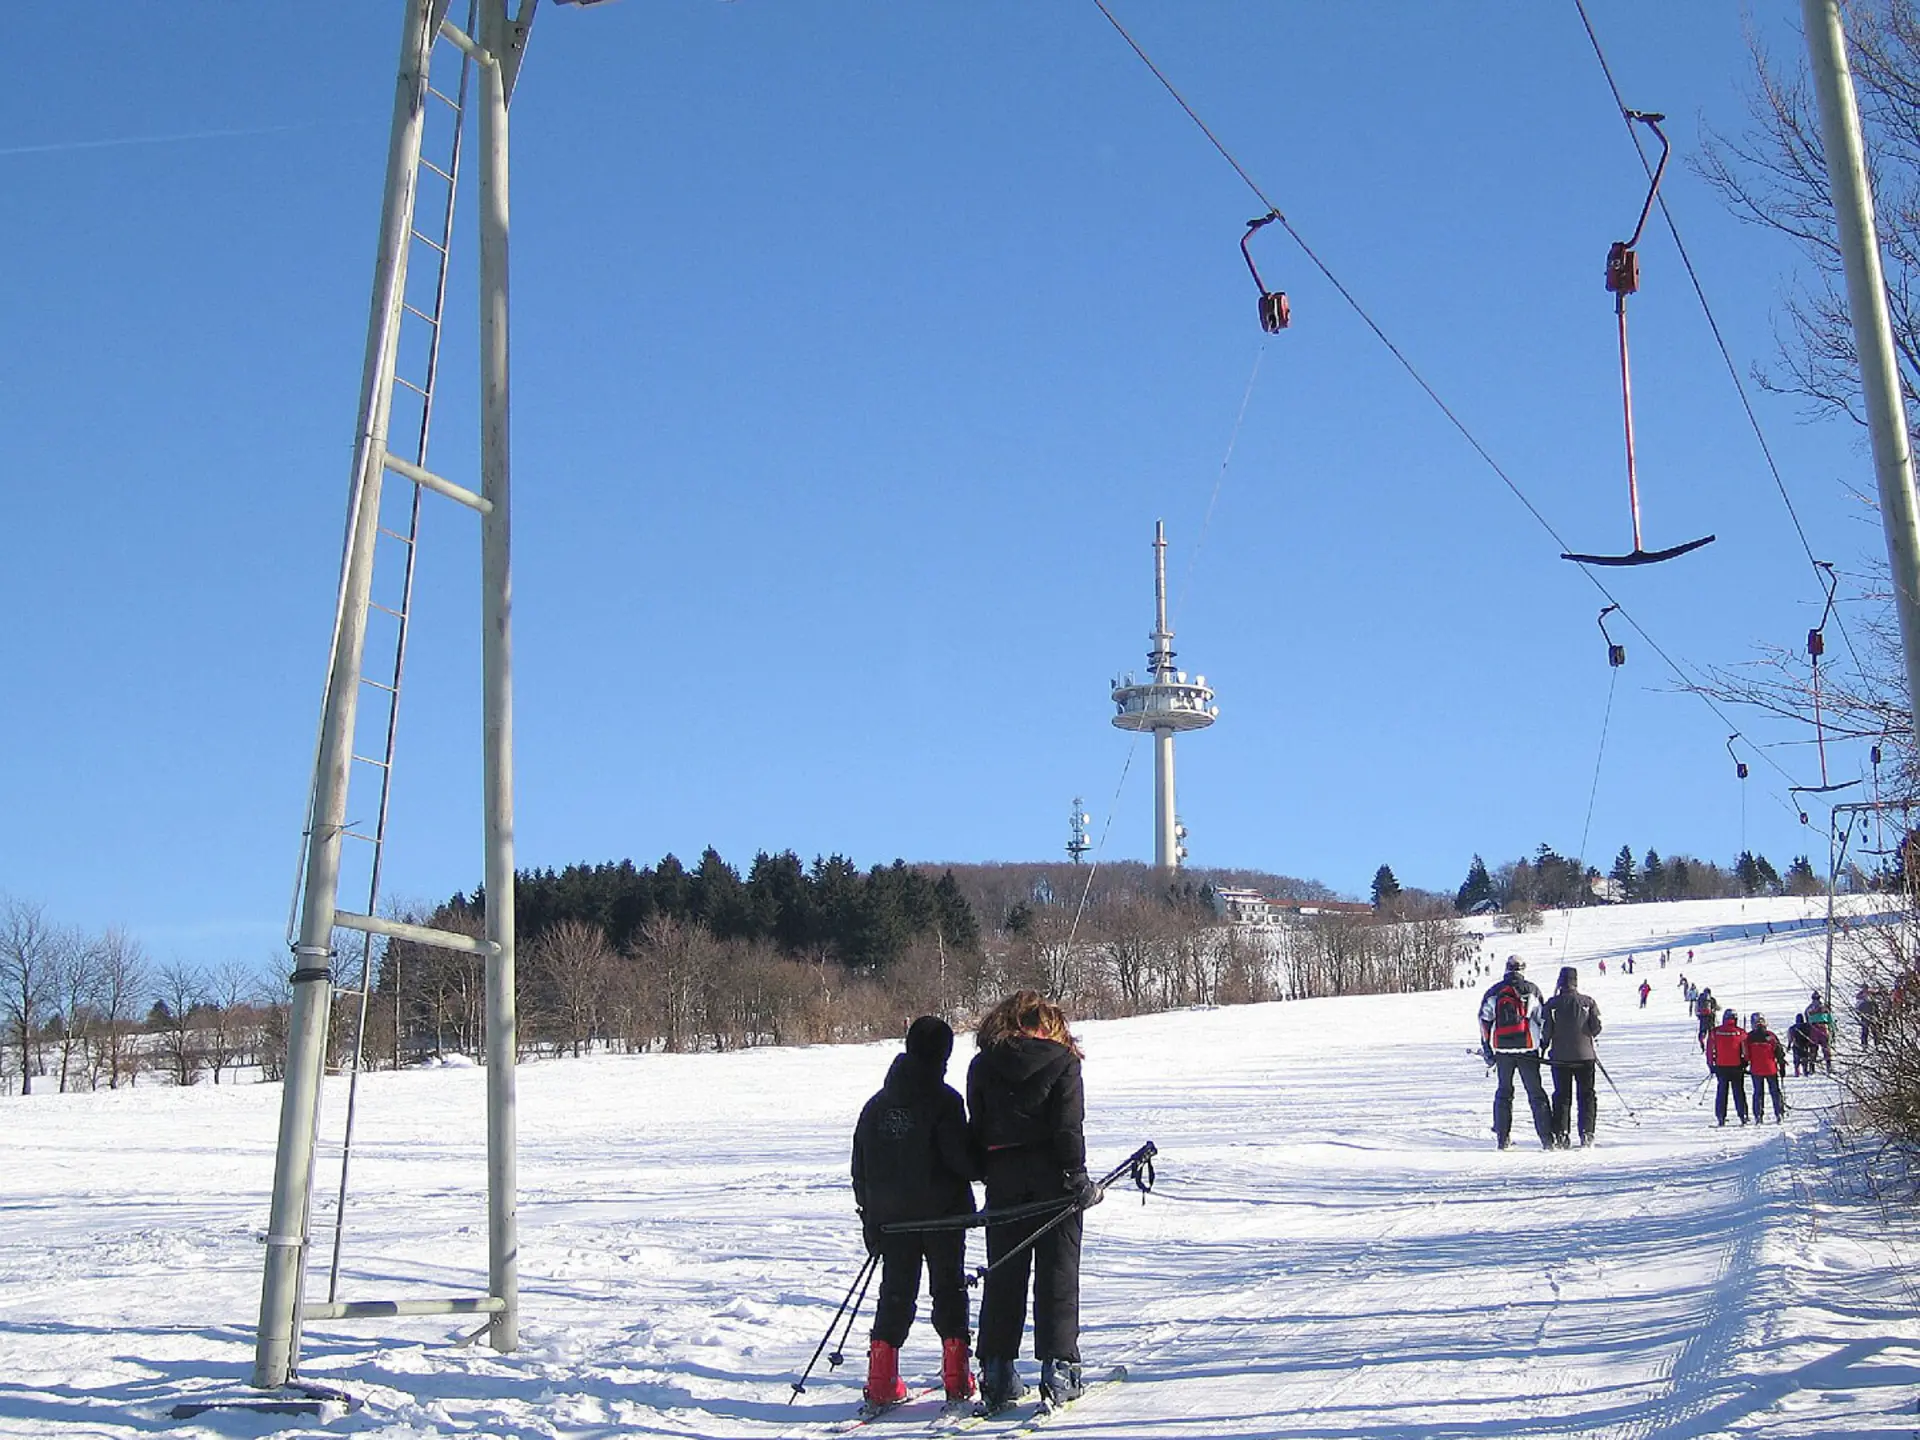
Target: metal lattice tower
{"type": "Point", "coordinates": [1166, 704]}
{"type": "Point", "coordinates": [1079, 839]}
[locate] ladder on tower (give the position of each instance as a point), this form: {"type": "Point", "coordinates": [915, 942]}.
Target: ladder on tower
{"type": "Point", "coordinates": [410, 403]}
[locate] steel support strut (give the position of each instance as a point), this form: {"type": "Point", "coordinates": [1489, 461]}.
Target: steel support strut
{"type": "Point", "coordinates": [275, 1345]}
{"type": "Point", "coordinates": [503, 1261]}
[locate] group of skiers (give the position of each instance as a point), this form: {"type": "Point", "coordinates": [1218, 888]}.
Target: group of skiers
{"type": "Point", "coordinates": [917, 1152]}
{"type": "Point", "coordinates": [1520, 1029]}
{"type": "Point", "coordinates": [1734, 1053]}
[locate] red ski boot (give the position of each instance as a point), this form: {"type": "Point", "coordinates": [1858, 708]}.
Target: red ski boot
{"type": "Point", "coordinates": [884, 1385]}
{"type": "Point", "coordinates": [955, 1372]}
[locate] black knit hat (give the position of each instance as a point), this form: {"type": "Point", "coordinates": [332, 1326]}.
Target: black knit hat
{"type": "Point", "coordinates": [930, 1039]}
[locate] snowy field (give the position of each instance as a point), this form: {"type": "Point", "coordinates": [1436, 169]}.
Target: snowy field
{"type": "Point", "coordinates": [1335, 1248]}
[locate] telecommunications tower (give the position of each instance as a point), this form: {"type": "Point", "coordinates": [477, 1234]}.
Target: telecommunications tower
{"type": "Point", "coordinates": [1165, 703]}
{"type": "Point", "coordinates": [1079, 839]}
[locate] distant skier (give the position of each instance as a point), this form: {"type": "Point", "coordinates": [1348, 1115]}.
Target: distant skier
{"type": "Point", "coordinates": [1646, 989]}
{"type": "Point", "coordinates": [1570, 1021]}
{"type": "Point", "coordinates": [1705, 1007]}
{"type": "Point", "coordinates": [1800, 1044]}
{"type": "Point", "coordinates": [1028, 1108]}
{"type": "Point", "coordinates": [1510, 1042]}
{"type": "Point", "coordinates": [1727, 1059]}
{"type": "Point", "coordinates": [1765, 1056]}
{"type": "Point", "coordinates": [1866, 1010]}
{"type": "Point", "coordinates": [912, 1161]}
{"type": "Point", "coordinates": [1603, 967]}
{"type": "Point", "coordinates": [1820, 1028]}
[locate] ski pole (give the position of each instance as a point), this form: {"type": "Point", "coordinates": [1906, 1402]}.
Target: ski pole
{"type": "Point", "coordinates": [1003, 1216]}
{"type": "Point", "coordinates": [1616, 1090]}
{"type": "Point", "coordinates": [860, 1284]}
{"type": "Point", "coordinates": [1139, 1165]}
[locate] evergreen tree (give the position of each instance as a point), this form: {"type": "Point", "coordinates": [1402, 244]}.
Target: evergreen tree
{"type": "Point", "coordinates": [1626, 874]}
{"type": "Point", "coordinates": [1385, 887]}
{"type": "Point", "coordinates": [1653, 877]}
{"type": "Point", "coordinates": [1800, 877]}
{"type": "Point", "coordinates": [1746, 873]}
{"type": "Point", "coordinates": [1476, 889]}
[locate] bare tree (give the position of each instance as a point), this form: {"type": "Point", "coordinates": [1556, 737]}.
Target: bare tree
{"type": "Point", "coordinates": [29, 973]}
{"type": "Point", "coordinates": [124, 979]}
{"type": "Point", "coordinates": [76, 995]}
{"type": "Point", "coordinates": [181, 992]}
{"type": "Point", "coordinates": [575, 963]}
{"type": "Point", "coordinates": [231, 1035]}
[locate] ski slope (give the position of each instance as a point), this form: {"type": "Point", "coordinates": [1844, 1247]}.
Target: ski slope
{"type": "Point", "coordinates": [1335, 1247]}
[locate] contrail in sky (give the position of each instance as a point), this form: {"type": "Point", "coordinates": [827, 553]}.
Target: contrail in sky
{"type": "Point", "coordinates": [55, 147]}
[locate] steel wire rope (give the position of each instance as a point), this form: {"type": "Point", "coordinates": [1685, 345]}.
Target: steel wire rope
{"type": "Point", "coordinates": [1106, 825]}
{"type": "Point", "coordinates": [1713, 324]}
{"type": "Point", "coordinates": [1593, 792]}
{"type": "Point", "coordinates": [1226, 460]}
{"type": "Point", "coordinates": [1688, 683]}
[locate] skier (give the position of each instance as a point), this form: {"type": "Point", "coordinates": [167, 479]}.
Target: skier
{"type": "Point", "coordinates": [1800, 1043]}
{"type": "Point", "coordinates": [1603, 967]}
{"type": "Point", "coordinates": [911, 1161]}
{"type": "Point", "coordinates": [1570, 1022]}
{"type": "Point", "coordinates": [1765, 1056]}
{"type": "Point", "coordinates": [1705, 1007]}
{"type": "Point", "coordinates": [1866, 1009]}
{"type": "Point", "coordinates": [1646, 989]}
{"type": "Point", "coordinates": [1510, 1041]}
{"type": "Point", "coordinates": [1027, 1106]}
{"type": "Point", "coordinates": [1820, 1028]}
{"type": "Point", "coordinates": [1727, 1059]}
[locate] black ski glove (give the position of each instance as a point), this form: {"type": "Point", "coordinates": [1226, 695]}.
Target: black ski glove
{"type": "Point", "coordinates": [1085, 1191]}
{"type": "Point", "coordinates": [870, 1232]}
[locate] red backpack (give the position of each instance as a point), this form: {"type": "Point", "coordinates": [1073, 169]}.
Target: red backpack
{"type": "Point", "coordinates": [1512, 1018]}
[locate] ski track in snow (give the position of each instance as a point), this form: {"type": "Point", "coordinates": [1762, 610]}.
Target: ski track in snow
{"type": "Point", "coordinates": [1335, 1248]}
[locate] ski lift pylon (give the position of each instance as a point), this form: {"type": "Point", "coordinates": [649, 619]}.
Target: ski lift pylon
{"type": "Point", "coordinates": [1275, 313]}
{"type": "Point", "coordinates": [1623, 279]}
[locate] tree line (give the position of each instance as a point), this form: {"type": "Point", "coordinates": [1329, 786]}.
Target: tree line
{"type": "Point", "coordinates": [1549, 880]}
{"type": "Point", "coordinates": [90, 1012]}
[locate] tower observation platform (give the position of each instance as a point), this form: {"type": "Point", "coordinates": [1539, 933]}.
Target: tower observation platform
{"type": "Point", "coordinates": [1166, 703]}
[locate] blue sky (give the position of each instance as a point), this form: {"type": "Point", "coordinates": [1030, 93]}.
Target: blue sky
{"type": "Point", "coordinates": [857, 349]}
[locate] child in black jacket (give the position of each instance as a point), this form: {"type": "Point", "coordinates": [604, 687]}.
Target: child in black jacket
{"type": "Point", "coordinates": [912, 1161]}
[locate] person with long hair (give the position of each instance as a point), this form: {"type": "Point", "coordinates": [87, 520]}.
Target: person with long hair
{"type": "Point", "coordinates": [1026, 1111]}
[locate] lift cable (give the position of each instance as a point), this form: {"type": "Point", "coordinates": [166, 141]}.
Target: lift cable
{"type": "Point", "coordinates": [1616, 659]}
{"type": "Point", "coordinates": [1226, 460]}
{"type": "Point", "coordinates": [1688, 682]}
{"type": "Point", "coordinates": [1713, 325]}
{"type": "Point", "coordinates": [1106, 827]}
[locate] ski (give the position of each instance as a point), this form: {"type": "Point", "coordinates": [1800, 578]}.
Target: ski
{"type": "Point", "coordinates": [1025, 1416]}
{"type": "Point", "coordinates": [909, 1409]}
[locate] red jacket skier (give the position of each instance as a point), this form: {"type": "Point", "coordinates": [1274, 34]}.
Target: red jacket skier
{"type": "Point", "coordinates": [1765, 1058]}
{"type": "Point", "coordinates": [1727, 1059]}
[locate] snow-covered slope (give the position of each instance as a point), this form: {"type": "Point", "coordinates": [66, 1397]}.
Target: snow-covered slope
{"type": "Point", "coordinates": [1335, 1248]}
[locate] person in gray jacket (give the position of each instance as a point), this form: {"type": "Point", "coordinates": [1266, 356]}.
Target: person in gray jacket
{"type": "Point", "coordinates": [1569, 1021]}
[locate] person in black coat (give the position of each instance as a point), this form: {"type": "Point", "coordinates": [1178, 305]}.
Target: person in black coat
{"type": "Point", "coordinates": [1570, 1023]}
{"type": "Point", "coordinates": [1027, 1110]}
{"type": "Point", "coordinates": [912, 1161]}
